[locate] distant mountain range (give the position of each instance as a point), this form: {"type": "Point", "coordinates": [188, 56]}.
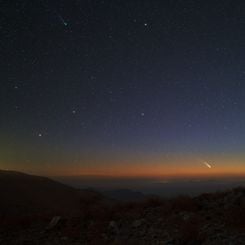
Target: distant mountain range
{"type": "Point", "coordinates": [125, 195]}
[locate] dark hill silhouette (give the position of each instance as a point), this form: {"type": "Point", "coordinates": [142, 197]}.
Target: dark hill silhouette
{"type": "Point", "coordinates": [24, 194]}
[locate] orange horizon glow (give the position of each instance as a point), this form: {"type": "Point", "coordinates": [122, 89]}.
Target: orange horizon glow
{"type": "Point", "coordinates": [161, 172]}
{"type": "Point", "coordinates": [173, 167]}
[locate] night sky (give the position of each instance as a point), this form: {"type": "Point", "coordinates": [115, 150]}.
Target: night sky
{"type": "Point", "coordinates": [122, 87]}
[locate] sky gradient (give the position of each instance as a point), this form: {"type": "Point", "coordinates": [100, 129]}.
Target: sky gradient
{"type": "Point", "coordinates": [122, 88]}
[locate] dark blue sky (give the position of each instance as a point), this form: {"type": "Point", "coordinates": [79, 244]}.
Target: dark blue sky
{"type": "Point", "coordinates": [92, 77]}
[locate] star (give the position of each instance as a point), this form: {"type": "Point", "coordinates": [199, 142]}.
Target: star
{"type": "Point", "coordinates": [225, 127]}
{"type": "Point", "coordinates": [83, 124]}
{"type": "Point", "coordinates": [74, 112]}
{"type": "Point", "coordinates": [142, 114]}
{"type": "Point", "coordinates": [40, 135]}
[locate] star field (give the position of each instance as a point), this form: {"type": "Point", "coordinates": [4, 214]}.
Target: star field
{"type": "Point", "coordinates": [85, 80]}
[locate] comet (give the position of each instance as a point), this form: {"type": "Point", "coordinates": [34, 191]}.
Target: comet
{"type": "Point", "coordinates": [62, 20]}
{"type": "Point", "coordinates": [207, 164]}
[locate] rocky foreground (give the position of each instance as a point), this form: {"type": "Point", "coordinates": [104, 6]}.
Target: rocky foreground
{"type": "Point", "coordinates": [217, 218]}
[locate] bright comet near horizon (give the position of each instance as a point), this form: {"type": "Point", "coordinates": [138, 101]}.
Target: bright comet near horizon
{"type": "Point", "coordinates": [207, 164]}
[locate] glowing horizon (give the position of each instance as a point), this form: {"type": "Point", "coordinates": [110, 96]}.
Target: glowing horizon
{"type": "Point", "coordinates": [172, 166]}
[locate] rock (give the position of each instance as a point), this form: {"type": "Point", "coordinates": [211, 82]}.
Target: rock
{"type": "Point", "coordinates": [54, 221]}
{"type": "Point", "coordinates": [185, 215]}
{"type": "Point", "coordinates": [64, 238]}
{"type": "Point", "coordinates": [138, 223]}
{"type": "Point", "coordinates": [113, 227]}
